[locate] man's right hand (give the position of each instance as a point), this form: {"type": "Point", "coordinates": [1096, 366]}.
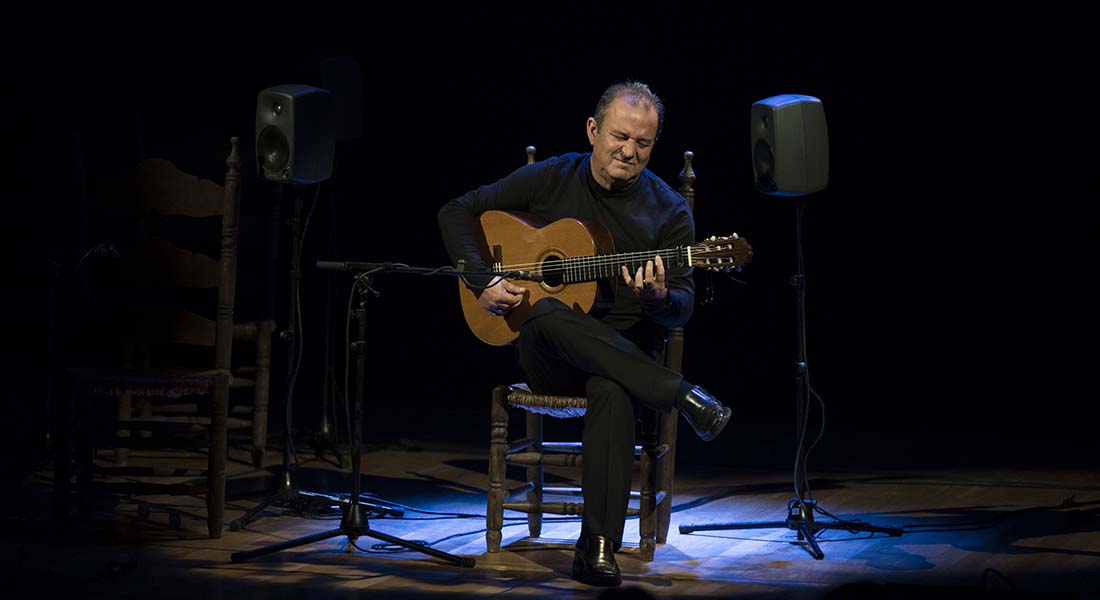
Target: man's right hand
{"type": "Point", "coordinates": [500, 298]}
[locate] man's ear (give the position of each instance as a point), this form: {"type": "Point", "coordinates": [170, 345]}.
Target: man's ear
{"type": "Point", "coordinates": [592, 130]}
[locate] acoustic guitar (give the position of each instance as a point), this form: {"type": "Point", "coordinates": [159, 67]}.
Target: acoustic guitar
{"type": "Point", "coordinates": [568, 259]}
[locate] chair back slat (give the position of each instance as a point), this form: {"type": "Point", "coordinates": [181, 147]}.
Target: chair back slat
{"type": "Point", "coordinates": [166, 264]}
{"type": "Point", "coordinates": [164, 189]}
{"type": "Point", "coordinates": [158, 324]}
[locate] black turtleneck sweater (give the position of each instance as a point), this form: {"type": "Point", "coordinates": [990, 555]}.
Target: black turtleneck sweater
{"type": "Point", "coordinates": [649, 215]}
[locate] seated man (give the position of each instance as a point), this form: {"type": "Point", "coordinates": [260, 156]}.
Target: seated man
{"type": "Point", "coordinates": [608, 359]}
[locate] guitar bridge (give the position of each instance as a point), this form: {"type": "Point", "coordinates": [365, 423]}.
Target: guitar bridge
{"type": "Point", "coordinates": [498, 258]}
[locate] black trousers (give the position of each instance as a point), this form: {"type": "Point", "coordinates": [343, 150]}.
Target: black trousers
{"type": "Point", "coordinates": [565, 351]}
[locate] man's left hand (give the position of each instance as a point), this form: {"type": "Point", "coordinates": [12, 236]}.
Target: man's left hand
{"type": "Point", "coordinates": [649, 282]}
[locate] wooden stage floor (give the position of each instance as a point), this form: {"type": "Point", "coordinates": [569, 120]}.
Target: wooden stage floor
{"type": "Point", "coordinates": [968, 532]}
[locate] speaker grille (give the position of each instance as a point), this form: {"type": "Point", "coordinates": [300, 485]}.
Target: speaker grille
{"type": "Point", "coordinates": [294, 137]}
{"type": "Point", "coordinates": [273, 150]}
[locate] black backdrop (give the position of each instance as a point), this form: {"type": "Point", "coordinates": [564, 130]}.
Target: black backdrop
{"type": "Point", "coordinates": [947, 261]}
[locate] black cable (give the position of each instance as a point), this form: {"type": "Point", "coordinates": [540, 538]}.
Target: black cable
{"type": "Point", "coordinates": [299, 337]}
{"type": "Point", "coordinates": [1069, 502]}
{"type": "Point", "coordinates": [347, 358]}
{"type": "Point", "coordinates": [801, 484]}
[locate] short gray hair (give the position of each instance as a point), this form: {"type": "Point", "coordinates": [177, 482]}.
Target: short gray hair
{"type": "Point", "coordinates": [634, 92]}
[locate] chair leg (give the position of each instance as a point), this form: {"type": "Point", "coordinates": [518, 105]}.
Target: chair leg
{"type": "Point", "coordinates": [215, 494]}
{"type": "Point", "coordinates": [666, 470]}
{"type": "Point", "coordinates": [63, 451]}
{"type": "Point", "coordinates": [647, 513]}
{"type": "Point", "coordinates": [125, 413]}
{"type": "Point", "coordinates": [145, 410]}
{"type": "Point", "coordinates": [85, 463]}
{"type": "Point", "coordinates": [535, 476]}
{"type": "Point", "coordinates": [262, 393]}
{"type": "Point", "coordinates": [498, 446]}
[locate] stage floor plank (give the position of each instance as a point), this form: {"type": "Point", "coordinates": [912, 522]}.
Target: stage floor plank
{"type": "Point", "coordinates": [966, 531]}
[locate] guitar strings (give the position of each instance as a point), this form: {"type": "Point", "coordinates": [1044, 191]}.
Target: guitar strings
{"type": "Point", "coordinates": [574, 262]}
{"type": "Point", "coordinates": [586, 262]}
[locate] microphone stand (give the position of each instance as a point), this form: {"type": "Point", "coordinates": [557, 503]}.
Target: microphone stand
{"type": "Point", "coordinates": [288, 490]}
{"type": "Point", "coordinates": [354, 523]}
{"type": "Point", "coordinates": [800, 509]}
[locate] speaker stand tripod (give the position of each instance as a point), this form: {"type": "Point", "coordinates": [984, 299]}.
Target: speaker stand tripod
{"type": "Point", "coordinates": [288, 490]}
{"type": "Point", "coordinates": [354, 523]}
{"type": "Point", "coordinates": [800, 509]}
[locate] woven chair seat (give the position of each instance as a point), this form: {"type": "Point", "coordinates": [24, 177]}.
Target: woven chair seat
{"type": "Point", "coordinates": [562, 407]}
{"type": "Point", "coordinates": [167, 383]}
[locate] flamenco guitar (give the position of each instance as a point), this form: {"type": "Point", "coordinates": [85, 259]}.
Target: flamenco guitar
{"type": "Point", "coordinates": [566, 260]}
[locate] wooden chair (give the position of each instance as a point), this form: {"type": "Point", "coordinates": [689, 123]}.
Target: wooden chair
{"type": "Point", "coordinates": [167, 337]}
{"type": "Point", "coordinates": [656, 455]}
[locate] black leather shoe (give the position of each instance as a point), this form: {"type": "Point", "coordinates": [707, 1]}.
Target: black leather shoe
{"type": "Point", "coordinates": [594, 562]}
{"type": "Point", "coordinates": [703, 412]}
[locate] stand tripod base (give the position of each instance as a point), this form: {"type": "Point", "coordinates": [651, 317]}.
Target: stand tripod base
{"type": "Point", "coordinates": [288, 492]}
{"type": "Point", "coordinates": [800, 518]}
{"type": "Point", "coordinates": [354, 525]}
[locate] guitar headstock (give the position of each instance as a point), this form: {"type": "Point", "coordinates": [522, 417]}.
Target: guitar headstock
{"type": "Point", "coordinates": [721, 253]}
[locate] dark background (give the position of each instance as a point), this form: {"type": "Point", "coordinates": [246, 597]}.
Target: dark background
{"type": "Point", "coordinates": [948, 262]}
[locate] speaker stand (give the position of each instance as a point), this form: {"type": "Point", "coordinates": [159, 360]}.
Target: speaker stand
{"type": "Point", "coordinates": [800, 509]}
{"type": "Point", "coordinates": [288, 490]}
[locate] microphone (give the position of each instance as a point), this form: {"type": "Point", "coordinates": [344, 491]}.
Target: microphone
{"type": "Point", "coordinates": [524, 275]}
{"type": "Point", "coordinates": [329, 265]}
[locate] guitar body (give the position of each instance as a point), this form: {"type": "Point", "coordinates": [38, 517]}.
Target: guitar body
{"type": "Point", "coordinates": [515, 238]}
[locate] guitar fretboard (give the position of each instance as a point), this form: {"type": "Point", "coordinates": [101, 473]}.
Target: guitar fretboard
{"type": "Point", "coordinates": [575, 269]}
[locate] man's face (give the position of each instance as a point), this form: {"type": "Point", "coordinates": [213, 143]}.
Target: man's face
{"type": "Point", "coordinates": [621, 147]}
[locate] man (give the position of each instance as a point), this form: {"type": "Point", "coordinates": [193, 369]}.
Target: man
{"type": "Point", "coordinates": [564, 351]}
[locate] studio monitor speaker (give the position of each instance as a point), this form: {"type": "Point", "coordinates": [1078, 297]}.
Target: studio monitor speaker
{"type": "Point", "coordinates": [294, 136]}
{"type": "Point", "coordinates": [790, 145]}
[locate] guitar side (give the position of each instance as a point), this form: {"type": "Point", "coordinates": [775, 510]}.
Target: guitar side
{"type": "Point", "coordinates": [525, 240]}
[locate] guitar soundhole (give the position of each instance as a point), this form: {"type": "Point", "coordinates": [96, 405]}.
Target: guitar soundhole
{"type": "Point", "coordinates": [551, 271]}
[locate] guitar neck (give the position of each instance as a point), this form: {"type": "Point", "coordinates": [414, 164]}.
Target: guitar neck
{"type": "Point", "coordinates": [576, 269]}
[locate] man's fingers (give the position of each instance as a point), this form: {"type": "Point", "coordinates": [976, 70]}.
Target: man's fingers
{"type": "Point", "coordinates": [514, 294]}
{"type": "Point", "coordinates": [626, 274]}
{"type": "Point", "coordinates": [659, 270]}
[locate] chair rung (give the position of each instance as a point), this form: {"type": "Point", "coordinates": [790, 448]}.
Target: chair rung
{"type": "Point", "coordinates": [633, 512]}
{"type": "Point", "coordinates": [177, 422]}
{"type": "Point", "coordinates": [554, 508]}
{"type": "Point", "coordinates": [175, 408]}
{"type": "Point", "coordinates": [535, 458]}
{"type": "Point", "coordinates": [568, 508]}
{"type": "Point", "coordinates": [523, 489]}
{"type": "Point", "coordinates": [177, 441]}
{"type": "Point", "coordinates": [520, 444]}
